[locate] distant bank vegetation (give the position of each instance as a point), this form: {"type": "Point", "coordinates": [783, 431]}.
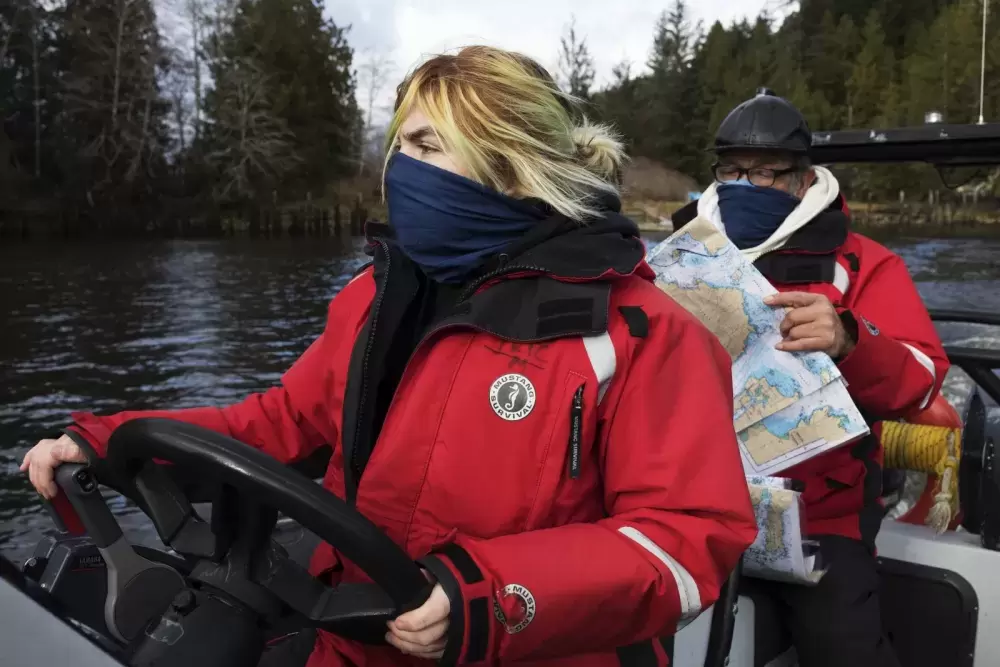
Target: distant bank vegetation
{"type": "Point", "coordinates": [256, 116]}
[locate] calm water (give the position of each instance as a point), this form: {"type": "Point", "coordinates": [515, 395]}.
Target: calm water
{"type": "Point", "coordinates": [188, 323]}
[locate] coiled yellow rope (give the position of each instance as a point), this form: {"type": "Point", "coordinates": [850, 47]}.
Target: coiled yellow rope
{"type": "Point", "coordinates": [930, 449]}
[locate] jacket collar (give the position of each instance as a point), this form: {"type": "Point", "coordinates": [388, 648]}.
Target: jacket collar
{"type": "Point", "coordinates": [525, 308]}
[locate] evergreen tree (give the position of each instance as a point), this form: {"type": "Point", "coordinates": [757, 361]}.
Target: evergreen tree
{"type": "Point", "coordinates": [942, 68]}
{"type": "Point", "coordinates": [576, 65]}
{"type": "Point", "coordinates": [898, 18]}
{"type": "Point", "coordinates": [711, 65]}
{"type": "Point", "coordinates": [813, 15]}
{"type": "Point", "coordinates": [673, 89]}
{"type": "Point", "coordinates": [294, 69]}
{"type": "Point", "coordinates": [991, 108]}
{"type": "Point", "coordinates": [29, 62]}
{"type": "Point", "coordinates": [763, 59]}
{"type": "Point", "coordinates": [20, 29]}
{"type": "Point", "coordinates": [719, 77]}
{"type": "Point", "coordinates": [828, 60]}
{"type": "Point", "coordinates": [788, 73]}
{"type": "Point", "coordinates": [872, 71]}
{"type": "Point", "coordinates": [619, 103]}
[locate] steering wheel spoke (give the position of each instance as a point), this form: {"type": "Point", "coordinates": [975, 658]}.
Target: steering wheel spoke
{"type": "Point", "coordinates": [356, 610]}
{"type": "Point", "coordinates": [173, 517]}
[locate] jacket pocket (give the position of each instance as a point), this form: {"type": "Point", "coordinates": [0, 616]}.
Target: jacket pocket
{"type": "Point", "coordinates": [569, 468]}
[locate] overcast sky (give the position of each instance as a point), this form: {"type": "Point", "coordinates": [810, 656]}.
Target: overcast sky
{"type": "Point", "coordinates": [615, 30]}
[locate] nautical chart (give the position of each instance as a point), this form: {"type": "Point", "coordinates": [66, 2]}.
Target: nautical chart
{"type": "Point", "coordinates": [780, 552]}
{"type": "Point", "coordinates": [787, 407]}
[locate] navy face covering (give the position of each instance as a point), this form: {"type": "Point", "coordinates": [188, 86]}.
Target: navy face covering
{"type": "Point", "coordinates": [752, 214]}
{"type": "Point", "coordinates": [448, 224]}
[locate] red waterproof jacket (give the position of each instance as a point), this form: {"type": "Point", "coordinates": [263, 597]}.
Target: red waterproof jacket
{"type": "Point", "coordinates": [559, 452]}
{"type": "Point", "coordinates": [896, 368]}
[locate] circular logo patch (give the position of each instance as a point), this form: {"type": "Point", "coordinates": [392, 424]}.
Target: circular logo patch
{"type": "Point", "coordinates": [512, 397]}
{"type": "Point", "coordinates": [516, 609]}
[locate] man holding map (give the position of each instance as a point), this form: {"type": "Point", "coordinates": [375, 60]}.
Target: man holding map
{"type": "Point", "coordinates": [843, 295]}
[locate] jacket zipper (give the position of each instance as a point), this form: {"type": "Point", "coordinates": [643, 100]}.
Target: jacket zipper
{"type": "Point", "coordinates": [575, 433]}
{"type": "Point", "coordinates": [466, 293]}
{"type": "Point", "coordinates": [355, 466]}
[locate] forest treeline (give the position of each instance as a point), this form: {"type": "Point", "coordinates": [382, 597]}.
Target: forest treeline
{"type": "Point", "coordinates": [843, 63]}
{"type": "Point", "coordinates": [110, 126]}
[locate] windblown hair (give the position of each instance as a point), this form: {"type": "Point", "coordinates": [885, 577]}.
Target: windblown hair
{"type": "Point", "coordinates": [505, 118]}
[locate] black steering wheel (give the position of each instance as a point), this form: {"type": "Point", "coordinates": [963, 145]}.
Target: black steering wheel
{"type": "Point", "coordinates": [239, 581]}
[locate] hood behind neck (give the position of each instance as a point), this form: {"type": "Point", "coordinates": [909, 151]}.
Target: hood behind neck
{"type": "Point", "coordinates": [819, 197]}
{"type": "Point", "coordinates": [572, 250]}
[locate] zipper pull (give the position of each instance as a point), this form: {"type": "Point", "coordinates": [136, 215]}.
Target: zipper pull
{"type": "Point", "coordinates": [575, 433]}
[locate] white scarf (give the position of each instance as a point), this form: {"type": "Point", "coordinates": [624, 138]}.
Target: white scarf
{"type": "Point", "coordinates": [818, 198]}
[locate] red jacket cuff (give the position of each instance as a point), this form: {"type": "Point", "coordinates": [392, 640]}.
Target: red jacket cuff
{"type": "Point", "coordinates": [92, 431]}
{"type": "Point", "coordinates": [94, 450]}
{"type": "Point", "coordinates": [857, 367]}
{"type": "Point", "coordinates": [470, 629]}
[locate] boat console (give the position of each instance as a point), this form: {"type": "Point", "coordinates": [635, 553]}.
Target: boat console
{"type": "Point", "coordinates": [226, 583]}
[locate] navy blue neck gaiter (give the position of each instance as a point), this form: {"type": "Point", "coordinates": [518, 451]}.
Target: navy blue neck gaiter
{"type": "Point", "coordinates": [751, 214]}
{"type": "Point", "coordinates": [448, 224]}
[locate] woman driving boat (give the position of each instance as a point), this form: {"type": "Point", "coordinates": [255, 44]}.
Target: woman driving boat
{"type": "Point", "coordinates": [508, 395]}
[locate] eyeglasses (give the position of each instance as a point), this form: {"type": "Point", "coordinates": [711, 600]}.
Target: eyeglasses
{"type": "Point", "coordinates": [762, 177]}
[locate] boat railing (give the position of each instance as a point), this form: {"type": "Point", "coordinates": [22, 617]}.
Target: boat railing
{"type": "Point", "coordinates": [978, 363]}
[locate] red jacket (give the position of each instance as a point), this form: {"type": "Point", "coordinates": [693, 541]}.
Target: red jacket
{"type": "Point", "coordinates": [896, 368]}
{"type": "Point", "coordinates": [559, 453]}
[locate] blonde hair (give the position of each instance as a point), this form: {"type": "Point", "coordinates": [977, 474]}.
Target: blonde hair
{"type": "Point", "coordinates": [504, 117]}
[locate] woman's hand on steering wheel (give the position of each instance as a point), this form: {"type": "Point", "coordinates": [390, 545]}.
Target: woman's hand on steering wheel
{"type": "Point", "coordinates": [423, 632]}
{"type": "Point", "coordinates": [41, 461]}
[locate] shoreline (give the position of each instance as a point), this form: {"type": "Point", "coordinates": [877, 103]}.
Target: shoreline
{"type": "Point", "coordinates": [874, 220]}
{"type": "Point", "coordinates": [333, 219]}
{"type": "Point", "coordinates": [886, 230]}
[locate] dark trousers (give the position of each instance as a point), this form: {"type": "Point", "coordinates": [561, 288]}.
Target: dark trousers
{"type": "Point", "coordinates": [836, 623]}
